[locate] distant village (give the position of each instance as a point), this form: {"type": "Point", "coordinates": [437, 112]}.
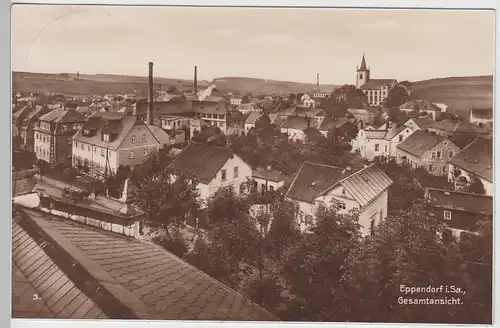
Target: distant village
{"type": "Point", "coordinates": [318, 147]}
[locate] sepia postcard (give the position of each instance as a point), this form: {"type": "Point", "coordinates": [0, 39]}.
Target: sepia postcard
{"type": "Point", "coordinates": [252, 164]}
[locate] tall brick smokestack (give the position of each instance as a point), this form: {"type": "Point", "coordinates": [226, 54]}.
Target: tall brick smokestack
{"type": "Point", "coordinates": [317, 81]}
{"type": "Point", "coordinates": [149, 120]}
{"type": "Point", "coordinates": [196, 81]}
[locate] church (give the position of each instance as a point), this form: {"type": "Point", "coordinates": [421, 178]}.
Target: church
{"type": "Point", "coordinates": [376, 90]}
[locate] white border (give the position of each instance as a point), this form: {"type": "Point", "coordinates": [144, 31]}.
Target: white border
{"type": "Point", "coordinates": [5, 97]}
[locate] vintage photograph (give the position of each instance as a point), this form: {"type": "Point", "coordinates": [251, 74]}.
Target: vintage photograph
{"type": "Point", "coordinates": [252, 164]}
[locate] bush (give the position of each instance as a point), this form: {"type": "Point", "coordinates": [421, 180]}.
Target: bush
{"type": "Point", "coordinates": [175, 244]}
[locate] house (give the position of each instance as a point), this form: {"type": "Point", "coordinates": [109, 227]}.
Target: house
{"type": "Point", "coordinates": [212, 110]}
{"type": "Point", "coordinates": [414, 107]}
{"type": "Point", "coordinates": [268, 179]}
{"type": "Point", "coordinates": [84, 110]}
{"type": "Point", "coordinates": [248, 108]}
{"type": "Point", "coordinates": [107, 141]}
{"type": "Point", "coordinates": [53, 135]}
{"type": "Point", "coordinates": [462, 133]}
{"type": "Point", "coordinates": [459, 211]}
{"type": "Point", "coordinates": [212, 168]}
{"type": "Point", "coordinates": [431, 152]}
{"type": "Point", "coordinates": [365, 115]}
{"type": "Point", "coordinates": [332, 123]}
{"type": "Point", "coordinates": [316, 114]}
{"type": "Point", "coordinates": [235, 100]}
{"type": "Point", "coordinates": [376, 90]}
{"type": "Point", "coordinates": [364, 191]}
{"type": "Point", "coordinates": [307, 101]}
{"type": "Point", "coordinates": [419, 123]}
{"type": "Point", "coordinates": [251, 120]}
{"type": "Point", "coordinates": [294, 127]}
{"type": "Point", "coordinates": [196, 125]}
{"type": "Point", "coordinates": [61, 270]}
{"type": "Point", "coordinates": [283, 111]}
{"type": "Point", "coordinates": [380, 142]}
{"type": "Point", "coordinates": [474, 162]}
{"type": "Point", "coordinates": [313, 136]}
{"type": "Point", "coordinates": [25, 119]}
{"type": "Point", "coordinates": [174, 122]}
{"type": "Point", "coordinates": [482, 117]}
{"type": "Point", "coordinates": [176, 137]}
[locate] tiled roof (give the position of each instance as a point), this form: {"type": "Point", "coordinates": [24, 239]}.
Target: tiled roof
{"type": "Point", "coordinates": [311, 180]}
{"type": "Point", "coordinates": [252, 118]}
{"type": "Point", "coordinates": [483, 113]}
{"type": "Point", "coordinates": [151, 283]}
{"type": "Point", "coordinates": [160, 135]}
{"type": "Point", "coordinates": [297, 123]}
{"type": "Point", "coordinates": [61, 115]}
{"type": "Point", "coordinates": [423, 122]}
{"type": "Point", "coordinates": [40, 289]}
{"type": "Point", "coordinates": [375, 84]}
{"type": "Point", "coordinates": [459, 127]}
{"type": "Point", "coordinates": [420, 142]}
{"type": "Point", "coordinates": [201, 162]}
{"type": "Point", "coordinates": [331, 123]}
{"type": "Point", "coordinates": [269, 174]}
{"type": "Point", "coordinates": [419, 105]}
{"type": "Point", "coordinates": [207, 107]}
{"type": "Point", "coordinates": [375, 134]}
{"type": "Point", "coordinates": [460, 201]}
{"type": "Point", "coordinates": [366, 184]}
{"type": "Point", "coordinates": [476, 158]}
{"type": "Point", "coordinates": [116, 122]}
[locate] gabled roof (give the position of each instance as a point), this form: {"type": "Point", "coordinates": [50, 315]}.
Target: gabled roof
{"type": "Point", "coordinates": [85, 110]}
{"type": "Point", "coordinates": [460, 201]}
{"type": "Point", "coordinates": [476, 158]}
{"type": "Point", "coordinates": [314, 135]}
{"type": "Point", "coordinates": [394, 131]}
{"type": "Point", "coordinates": [108, 123]}
{"type": "Point", "coordinates": [420, 105]}
{"type": "Point", "coordinates": [160, 135]}
{"type": "Point", "coordinates": [375, 134]}
{"type": "Point", "coordinates": [136, 278]}
{"type": "Point", "coordinates": [420, 142]}
{"type": "Point", "coordinates": [61, 115]}
{"type": "Point", "coordinates": [269, 174]}
{"type": "Point", "coordinates": [252, 118]}
{"type": "Point", "coordinates": [308, 112]}
{"type": "Point", "coordinates": [459, 127]}
{"type": "Point", "coordinates": [208, 107]}
{"type": "Point", "coordinates": [375, 84]}
{"type": "Point", "coordinates": [482, 113]}
{"type": "Point", "coordinates": [285, 111]}
{"type": "Point", "coordinates": [297, 123]}
{"type": "Point", "coordinates": [331, 123]}
{"type": "Point", "coordinates": [249, 106]}
{"type": "Point", "coordinates": [423, 122]}
{"type": "Point", "coordinates": [201, 162]}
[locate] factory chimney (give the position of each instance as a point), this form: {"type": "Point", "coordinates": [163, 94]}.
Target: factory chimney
{"type": "Point", "coordinates": [317, 81]}
{"type": "Point", "coordinates": [150, 96]}
{"type": "Point", "coordinates": [196, 82]}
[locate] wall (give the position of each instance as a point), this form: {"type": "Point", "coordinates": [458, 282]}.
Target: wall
{"type": "Point", "coordinates": [488, 186]}
{"type": "Point", "coordinates": [144, 144]}
{"type": "Point", "coordinates": [294, 134]}
{"type": "Point", "coordinates": [377, 206]}
{"type": "Point", "coordinates": [439, 164]}
{"type": "Point", "coordinates": [42, 145]}
{"type": "Point", "coordinates": [395, 141]}
{"type": "Point", "coordinates": [244, 173]}
{"type": "Point", "coordinates": [96, 157]}
{"type": "Point", "coordinates": [268, 183]}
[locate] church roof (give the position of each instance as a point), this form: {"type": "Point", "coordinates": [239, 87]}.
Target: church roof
{"type": "Point", "coordinates": [363, 64]}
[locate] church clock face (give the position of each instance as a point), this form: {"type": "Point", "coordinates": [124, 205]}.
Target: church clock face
{"type": "Point", "coordinates": [360, 76]}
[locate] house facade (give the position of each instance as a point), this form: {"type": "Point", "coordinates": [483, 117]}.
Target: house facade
{"type": "Point", "coordinates": [173, 122]}
{"type": "Point", "coordinates": [428, 151]}
{"type": "Point", "coordinates": [482, 117]}
{"type": "Point", "coordinates": [212, 168]}
{"type": "Point", "coordinates": [474, 162]}
{"type": "Point", "coordinates": [307, 101]}
{"type": "Point", "coordinates": [53, 135]}
{"type": "Point", "coordinates": [251, 120]}
{"type": "Point", "coordinates": [235, 100]}
{"type": "Point", "coordinates": [364, 191]}
{"type": "Point", "coordinates": [26, 119]}
{"type": "Point", "coordinates": [376, 90]}
{"type": "Point", "coordinates": [267, 179]}
{"type": "Point", "coordinates": [364, 115]}
{"type": "Point", "coordinates": [248, 108]}
{"type": "Point", "coordinates": [413, 107]}
{"type": "Point", "coordinates": [107, 141]}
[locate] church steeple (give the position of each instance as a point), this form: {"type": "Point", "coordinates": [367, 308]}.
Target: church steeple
{"type": "Point", "coordinates": [362, 73]}
{"type": "Point", "coordinates": [363, 64]}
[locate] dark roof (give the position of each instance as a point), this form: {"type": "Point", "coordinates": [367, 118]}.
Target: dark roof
{"type": "Point", "coordinates": [35, 273]}
{"type": "Point", "coordinates": [460, 201]}
{"type": "Point", "coordinates": [314, 135]}
{"type": "Point", "coordinates": [83, 110]}
{"type": "Point", "coordinates": [331, 123]}
{"type": "Point", "coordinates": [61, 115]}
{"type": "Point", "coordinates": [309, 112]}
{"type": "Point", "coordinates": [483, 113]}
{"type": "Point", "coordinates": [208, 107]}
{"type": "Point", "coordinates": [117, 124]}
{"type": "Point", "coordinates": [269, 174]}
{"type": "Point", "coordinates": [377, 83]}
{"type": "Point", "coordinates": [252, 118]}
{"type": "Point", "coordinates": [419, 142]}
{"type": "Point", "coordinates": [363, 64]}
{"type": "Point", "coordinates": [423, 122]}
{"type": "Point", "coordinates": [420, 105]}
{"type": "Point", "coordinates": [148, 281]}
{"type": "Point", "coordinates": [248, 106]}
{"type": "Point", "coordinates": [458, 127]}
{"type": "Point", "coordinates": [201, 162]}
{"type": "Point", "coordinates": [312, 179]}
{"type": "Point", "coordinates": [476, 158]}
{"type": "Point", "coordinates": [297, 123]}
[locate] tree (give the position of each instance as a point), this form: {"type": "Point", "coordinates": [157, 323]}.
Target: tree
{"type": "Point", "coordinates": [397, 96]}
{"type": "Point", "coordinates": [167, 200]}
{"type": "Point", "coordinates": [264, 127]}
{"type": "Point", "coordinates": [476, 186]}
{"type": "Point", "coordinates": [173, 90]}
{"type": "Point", "coordinates": [245, 99]}
{"type": "Point", "coordinates": [283, 232]}
{"type": "Point", "coordinates": [316, 265]}
{"type": "Point", "coordinates": [265, 291]}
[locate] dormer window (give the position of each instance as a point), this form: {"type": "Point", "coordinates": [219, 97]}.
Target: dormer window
{"type": "Point", "coordinates": [105, 137]}
{"type": "Point", "coordinates": [86, 132]}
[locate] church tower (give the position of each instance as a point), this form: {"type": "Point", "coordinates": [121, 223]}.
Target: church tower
{"type": "Point", "coordinates": [362, 74]}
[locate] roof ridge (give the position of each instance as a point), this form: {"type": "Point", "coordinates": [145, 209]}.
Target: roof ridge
{"type": "Point", "coordinates": [460, 192]}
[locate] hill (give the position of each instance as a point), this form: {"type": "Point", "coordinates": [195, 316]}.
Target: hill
{"type": "Point", "coordinates": [459, 93]}
{"type": "Point", "coordinates": [256, 86]}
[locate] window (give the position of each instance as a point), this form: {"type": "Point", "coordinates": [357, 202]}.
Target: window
{"type": "Point", "coordinates": [342, 206]}
{"type": "Point", "coordinates": [438, 154]}
{"type": "Point", "coordinates": [76, 144]}
{"type": "Point", "coordinates": [431, 168]}
{"type": "Point", "coordinates": [372, 227]}
{"type": "Point", "coordinates": [433, 154]}
{"type": "Point", "coordinates": [144, 137]}
{"type": "Point", "coordinates": [445, 143]}
{"type": "Point", "coordinates": [343, 192]}
{"type": "Point", "coordinates": [451, 153]}
{"type": "Point", "coordinates": [445, 169]}
{"type": "Point", "coordinates": [447, 215]}
{"type": "Point", "coordinates": [102, 152]}
{"type": "Point", "coordinates": [131, 155]}
{"type": "Point", "coordinates": [82, 146]}
{"type": "Point", "coordinates": [223, 175]}
{"type": "Point", "coordinates": [376, 147]}
{"type": "Point", "coordinates": [145, 152]}
{"type": "Point", "coordinates": [386, 148]}
{"type": "Point", "coordinates": [89, 148]}
{"type": "Point", "coordinates": [271, 188]}
{"type": "Point", "coordinates": [134, 139]}
{"type": "Point", "coordinates": [236, 172]}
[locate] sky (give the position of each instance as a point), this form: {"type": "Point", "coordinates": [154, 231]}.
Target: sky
{"type": "Point", "coordinates": [288, 44]}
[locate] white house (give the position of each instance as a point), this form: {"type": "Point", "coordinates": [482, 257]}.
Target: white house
{"type": "Point", "coordinates": [475, 161]}
{"type": "Point", "coordinates": [307, 101]}
{"type": "Point", "coordinates": [268, 179]}
{"type": "Point", "coordinates": [212, 168]}
{"type": "Point", "coordinates": [250, 121]}
{"type": "Point", "coordinates": [416, 106]}
{"type": "Point", "coordinates": [235, 100]}
{"type": "Point", "coordinates": [248, 108]}
{"type": "Point", "coordinates": [372, 143]}
{"type": "Point", "coordinates": [482, 117]}
{"type": "Point", "coordinates": [364, 191]}
{"type": "Point", "coordinates": [419, 123]}
{"type": "Point", "coordinates": [294, 126]}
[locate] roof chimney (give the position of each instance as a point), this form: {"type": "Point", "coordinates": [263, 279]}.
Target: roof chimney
{"type": "Point", "coordinates": [150, 96]}
{"type": "Point", "coordinates": [196, 82]}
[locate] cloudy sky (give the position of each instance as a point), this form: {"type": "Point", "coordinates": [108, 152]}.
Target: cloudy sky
{"type": "Point", "coordinates": [282, 44]}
